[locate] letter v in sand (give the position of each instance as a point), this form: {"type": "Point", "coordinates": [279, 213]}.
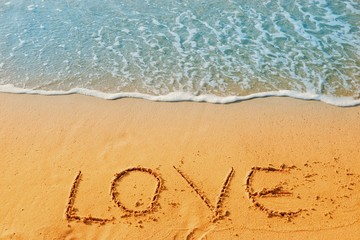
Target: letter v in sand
{"type": "Point", "coordinates": [217, 208]}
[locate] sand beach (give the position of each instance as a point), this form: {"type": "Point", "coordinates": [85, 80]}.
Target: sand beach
{"type": "Point", "coordinates": [79, 167]}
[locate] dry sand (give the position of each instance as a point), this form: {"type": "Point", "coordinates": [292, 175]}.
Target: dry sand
{"type": "Point", "coordinates": [273, 168]}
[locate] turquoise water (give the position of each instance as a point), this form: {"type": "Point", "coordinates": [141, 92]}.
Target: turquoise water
{"type": "Point", "coordinates": [214, 49]}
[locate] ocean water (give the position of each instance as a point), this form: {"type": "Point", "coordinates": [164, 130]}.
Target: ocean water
{"type": "Point", "coordinates": [205, 50]}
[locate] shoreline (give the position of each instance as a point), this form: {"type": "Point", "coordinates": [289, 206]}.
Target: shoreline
{"type": "Point", "coordinates": [285, 154]}
{"type": "Point", "coordinates": [188, 97]}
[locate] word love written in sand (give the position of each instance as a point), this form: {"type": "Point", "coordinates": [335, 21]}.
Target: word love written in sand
{"type": "Point", "coordinates": [216, 209]}
{"type": "Point", "coordinates": [71, 215]}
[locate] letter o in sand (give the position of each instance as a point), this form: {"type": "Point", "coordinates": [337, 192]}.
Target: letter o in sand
{"type": "Point", "coordinates": [119, 176]}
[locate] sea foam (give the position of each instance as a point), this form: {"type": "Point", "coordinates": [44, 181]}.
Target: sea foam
{"type": "Point", "coordinates": [214, 51]}
{"type": "Point", "coordinates": [183, 96]}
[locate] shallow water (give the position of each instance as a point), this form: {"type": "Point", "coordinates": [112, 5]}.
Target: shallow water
{"type": "Point", "coordinates": [306, 49]}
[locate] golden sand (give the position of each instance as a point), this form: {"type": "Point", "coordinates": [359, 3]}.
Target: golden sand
{"type": "Point", "coordinates": [77, 167]}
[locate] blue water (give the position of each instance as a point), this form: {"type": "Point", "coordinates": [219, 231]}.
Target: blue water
{"type": "Point", "coordinates": [217, 48]}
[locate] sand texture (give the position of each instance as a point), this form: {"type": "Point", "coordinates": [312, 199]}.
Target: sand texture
{"type": "Point", "coordinates": [78, 167]}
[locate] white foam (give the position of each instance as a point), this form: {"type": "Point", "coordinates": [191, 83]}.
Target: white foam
{"type": "Point", "coordinates": [301, 47]}
{"type": "Point", "coordinates": [31, 7]}
{"type": "Point", "coordinates": [183, 96]}
{"type": "Point", "coordinates": [142, 28]}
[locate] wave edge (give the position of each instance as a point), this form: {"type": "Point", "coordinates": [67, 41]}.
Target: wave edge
{"type": "Point", "coordinates": [184, 96]}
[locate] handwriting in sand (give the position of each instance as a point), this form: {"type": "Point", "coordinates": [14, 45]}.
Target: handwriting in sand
{"type": "Point", "coordinates": [216, 209]}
